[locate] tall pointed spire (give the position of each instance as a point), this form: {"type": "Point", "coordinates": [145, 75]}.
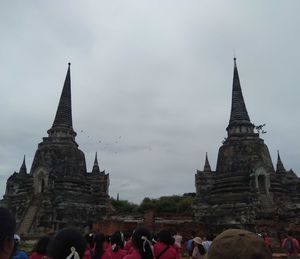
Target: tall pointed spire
{"type": "Point", "coordinates": [279, 167]}
{"type": "Point", "coordinates": [206, 165]}
{"type": "Point", "coordinates": [23, 169]}
{"type": "Point", "coordinates": [239, 116]}
{"type": "Point", "coordinates": [96, 168]}
{"type": "Point", "coordinates": [238, 107]}
{"type": "Point", "coordinates": [63, 116]}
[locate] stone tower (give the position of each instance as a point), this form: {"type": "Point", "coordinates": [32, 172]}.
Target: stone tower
{"type": "Point", "coordinates": [245, 188]}
{"type": "Point", "coordinates": [58, 191]}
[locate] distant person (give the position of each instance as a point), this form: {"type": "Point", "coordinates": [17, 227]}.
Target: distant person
{"type": "Point", "coordinates": [189, 243]}
{"type": "Point", "coordinates": [39, 250]}
{"type": "Point", "coordinates": [291, 246]}
{"type": "Point", "coordinates": [89, 251]}
{"type": "Point", "coordinates": [177, 244]}
{"type": "Point", "coordinates": [198, 249]}
{"type": "Point", "coordinates": [238, 243]}
{"type": "Point", "coordinates": [68, 243]}
{"type": "Point", "coordinates": [141, 245]}
{"type": "Point", "coordinates": [7, 230]}
{"type": "Point", "coordinates": [164, 248]}
{"type": "Point", "coordinates": [117, 245]}
{"type": "Point", "coordinates": [207, 242]}
{"type": "Point", "coordinates": [107, 244]}
{"type": "Point", "coordinates": [18, 254]}
{"type": "Point", "coordinates": [99, 241]}
{"type": "Point", "coordinates": [128, 242]}
{"type": "Point", "coordinates": [267, 241]}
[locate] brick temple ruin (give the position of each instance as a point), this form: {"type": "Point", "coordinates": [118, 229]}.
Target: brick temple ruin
{"type": "Point", "coordinates": [245, 190]}
{"type": "Point", "coordinates": [58, 191]}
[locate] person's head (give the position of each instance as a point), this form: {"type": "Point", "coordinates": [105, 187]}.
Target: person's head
{"type": "Point", "coordinates": [89, 238]}
{"type": "Point", "coordinates": [64, 243]}
{"type": "Point", "coordinates": [41, 245]}
{"type": "Point", "coordinates": [7, 230]}
{"type": "Point", "coordinates": [290, 233]}
{"type": "Point", "coordinates": [99, 240]}
{"type": "Point", "coordinates": [238, 243]}
{"type": "Point", "coordinates": [127, 235]}
{"type": "Point", "coordinates": [165, 237]}
{"type": "Point", "coordinates": [141, 242]}
{"type": "Point", "coordinates": [198, 243]}
{"type": "Point", "coordinates": [117, 241]}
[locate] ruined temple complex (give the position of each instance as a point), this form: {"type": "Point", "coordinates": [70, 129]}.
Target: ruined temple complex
{"type": "Point", "coordinates": [58, 191]}
{"type": "Point", "coordinates": [245, 190]}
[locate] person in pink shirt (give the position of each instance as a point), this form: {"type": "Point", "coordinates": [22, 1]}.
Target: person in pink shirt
{"type": "Point", "coordinates": [164, 248]}
{"type": "Point", "coordinates": [99, 240]}
{"type": "Point", "coordinates": [291, 246]}
{"type": "Point", "coordinates": [117, 244]}
{"type": "Point", "coordinates": [141, 245]}
{"type": "Point", "coordinates": [106, 244]}
{"type": "Point", "coordinates": [128, 242]}
{"type": "Point", "coordinates": [40, 248]}
{"type": "Point", "coordinates": [89, 251]}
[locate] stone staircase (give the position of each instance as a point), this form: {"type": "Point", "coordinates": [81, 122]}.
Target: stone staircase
{"type": "Point", "coordinates": [27, 221]}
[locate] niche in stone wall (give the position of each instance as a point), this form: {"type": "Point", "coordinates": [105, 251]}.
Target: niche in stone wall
{"type": "Point", "coordinates": [262, 184]}
{"type": "Point", "coordinates": [40, 181]}
{"type": "Point", "coordinates": [262, 180]}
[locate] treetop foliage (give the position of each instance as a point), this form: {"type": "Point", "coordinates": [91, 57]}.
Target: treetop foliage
{"type": "Point", "coordinates": [164, 204]}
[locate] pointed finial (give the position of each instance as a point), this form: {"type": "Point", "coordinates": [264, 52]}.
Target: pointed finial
{"type": "Point", "coordinates": [96, 168]}
{"type": "Point", "coordinates": [207, 167]}
{"type": "Point", "coordinates": [279, 167]}
{"type": "Point", "coordinates": [23, 169]}
{"type": "Point", "coordinates": [63, 117]}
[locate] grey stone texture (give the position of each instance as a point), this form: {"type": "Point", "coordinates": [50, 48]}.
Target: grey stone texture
{"type": "Point", "coordinates": [58, 191]}
{"type": "Point", "coordinates": [245, 188]}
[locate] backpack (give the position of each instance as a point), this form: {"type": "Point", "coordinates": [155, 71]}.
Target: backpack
{"type": "Point", "coordinates": [289, 246]}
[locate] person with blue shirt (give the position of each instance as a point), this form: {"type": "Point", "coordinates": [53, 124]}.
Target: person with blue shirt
{"type": "Point", "coordinates": [18, 254]}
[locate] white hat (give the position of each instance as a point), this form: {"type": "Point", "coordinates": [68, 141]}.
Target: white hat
{"type": "Point", "coordinates": [17, 238]}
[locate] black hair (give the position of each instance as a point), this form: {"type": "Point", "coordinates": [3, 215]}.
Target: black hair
{"type": "Point", "coordinates": [7, 226]}
{"type": "Point", "coordinates": [60, 245]}
{"type": "Point", "coordinates": [99, 240]}
{"type": "Point", "coordinates": [41, 245]}
{"type": "Point", "coordinates": [201, 249]}
{"type": "Point", "coordinates": [140, 243]}
{"type": "Point", "coordinates": [165, 237]}
{"type": "Point", "coordinates": [90, 239]}
{"type": "Point", "coordinates": [290, 233]}
{"type": "Point", "coordinates": [127, 235]}
{"type": "Point", "coordinates": [117, 239]}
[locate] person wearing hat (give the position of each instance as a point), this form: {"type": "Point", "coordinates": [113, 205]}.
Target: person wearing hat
{"type": "Point", "coordinates": [198, 250]}
{"type": "Point", "coordinates": [238, 243]}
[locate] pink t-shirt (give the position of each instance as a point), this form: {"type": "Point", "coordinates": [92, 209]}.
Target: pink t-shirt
{"type": "Point", "coordinates": [109, 254]}
{"type": "Point", "coordinates": [134, 255]}
{"type": "Point", "coordinates": [170, 253]}
{"type": "Point", "coordinates": [295, 246]}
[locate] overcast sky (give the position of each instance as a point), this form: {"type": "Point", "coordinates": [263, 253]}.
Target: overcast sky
{"type": "Point", "coordinates": [151, 80]}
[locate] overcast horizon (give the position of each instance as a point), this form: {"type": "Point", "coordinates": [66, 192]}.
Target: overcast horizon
{"type": "Point", "coordinates": [151, 83]}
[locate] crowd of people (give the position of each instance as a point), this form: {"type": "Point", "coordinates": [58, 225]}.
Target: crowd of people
{"type": "Point", "coordinates": [69, 243]}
